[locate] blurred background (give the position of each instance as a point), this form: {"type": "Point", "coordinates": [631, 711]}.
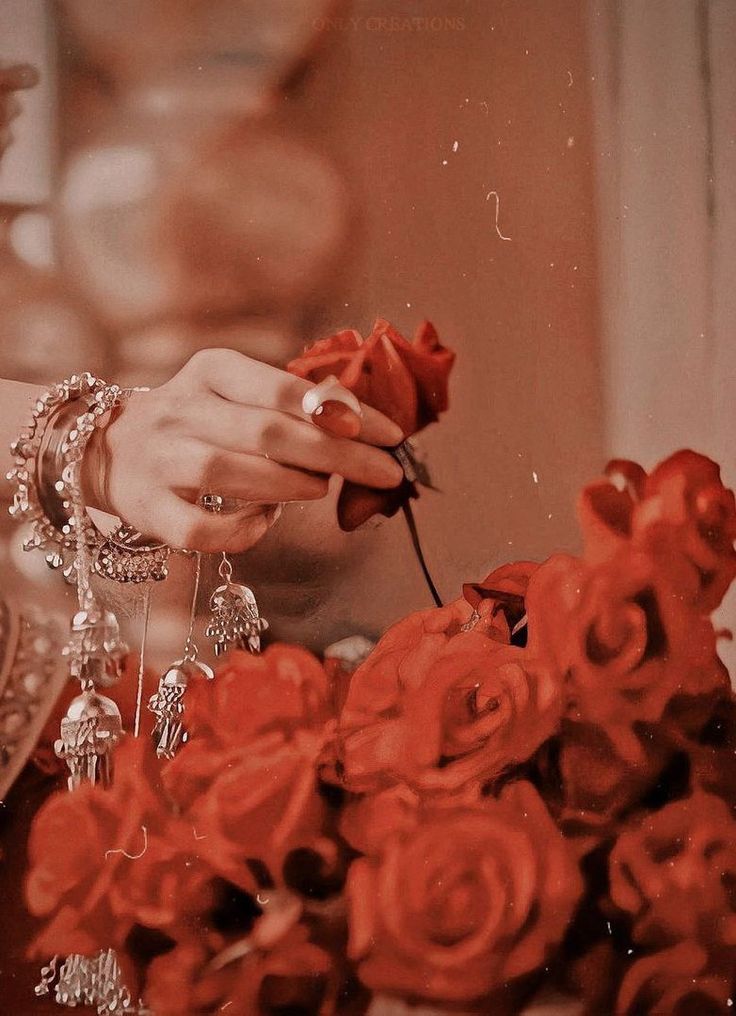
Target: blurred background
{"type": "Point", "coordinates": [551, 182]}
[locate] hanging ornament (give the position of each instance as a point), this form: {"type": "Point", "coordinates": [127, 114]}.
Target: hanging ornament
{"type": "Point", "coordinates": [92, 725]}
{"type": "Point", "coordinates": [89, 733]}
{"type": "Point", "coordinates": [90, 980]}
{"type": "Point", "coordinates": [96, 650]}
{"type": "Point", "coordinates": [167, 703]}
{"type": "Point", "coordinates": [125, 556]}
{"type": "Point", "coordinates": [235, 617]}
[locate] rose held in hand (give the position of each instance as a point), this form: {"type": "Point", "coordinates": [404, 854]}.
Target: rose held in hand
{"type": "Point", "coordinates": [406, 381]}
{"type": "Point", "coordinates": [230, 425]}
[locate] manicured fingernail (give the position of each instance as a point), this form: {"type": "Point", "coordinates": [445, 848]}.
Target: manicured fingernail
{"type": "Point", "coordinates": [337, 418]}
{"type": "Point", "coordinates": [394, 433]}
{"type": "Point", "coordinates": [393, 472]}
{"type": "Point", "coordinates": [21, 75]}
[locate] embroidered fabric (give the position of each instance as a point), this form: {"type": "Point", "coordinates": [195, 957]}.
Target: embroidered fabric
{"type": "Point", "coordinates": [32, 676]}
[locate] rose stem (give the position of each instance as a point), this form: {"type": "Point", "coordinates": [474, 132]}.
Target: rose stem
{"type": "Point", "coordinates": [411, 523]}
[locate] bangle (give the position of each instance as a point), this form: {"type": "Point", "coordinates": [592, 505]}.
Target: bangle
{"type": "Point", "coordinates": [49, 463]}
{"type": "Point", "coordinates": [46, 486]}
{"type": "Point", "coordinates": [50, 532]}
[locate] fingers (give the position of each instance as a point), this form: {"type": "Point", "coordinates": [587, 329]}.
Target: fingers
{"type": "Point", "coordinates": [184, 526]}
{"type": "Point", "coordinates": [200, 469]}
{"type": "Point", "coordinates": [248, 382]}
{"type": "Point", "coordinates": [283, 439]}
{"type": "Point", "coordinates": [18, 76]}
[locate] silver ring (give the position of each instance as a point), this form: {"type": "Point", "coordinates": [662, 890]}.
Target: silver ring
{"type": "Point", "coordinates": [214, 503]}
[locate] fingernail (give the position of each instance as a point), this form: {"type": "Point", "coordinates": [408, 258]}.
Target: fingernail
{"type": "Point", "coordinates": [394, 433]}
{"type": "Point", "coordinates": [392, 471]}
{"type": "Point", "coordinates": [22, 75]}
{"type": "Point", "coordinates": [337, 418]}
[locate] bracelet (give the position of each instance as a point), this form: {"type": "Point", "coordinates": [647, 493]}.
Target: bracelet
{"type": "Point", "coordinates": [62, 422]}
{"type": "Point", "coordinates": [49, 463]}
{"type": "Point", "coordinates": [29, 503]}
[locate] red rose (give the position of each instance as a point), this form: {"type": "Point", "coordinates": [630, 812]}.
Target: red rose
{"type": "Point", "coordinates": [366, 820]}
{"type": "Point", "coordinates": [681, 514]}
{"type": "Point", "coordinates": [674, 872]}
{"type": "Point", "coordinates": [437, 706]}
{"type": "Point", "coordinates": [282, 688]}
{"type": "Point", "coordinates": [625, 638]}
{"type": "Point", "coordinates": [589, 785]}
{"type": "Point", "coordinates": [686, 510]}
{"type": "Point", "coordinates": [407, 381]}
{"type": "Point", "coordinates": [290, 975]}
{"type": "Point", "coordinates": [464, 902]}
{"type": "Point", "coordinates": [257, 801]}
{"type": "Point", "coordinates": [103, 860]}
{"type": "Point", "coordinates": [710, 744]}
{"type": "Point", "coordinates": [606, 509]}
{"type": "Point", "coordinates": [507, 587]}
{"type": "Point", "coordinates": [428, 630]}
{"type": "Point", "coordinates": [676, 980]}
{"type": "Point", "coordinates": [172, 980]}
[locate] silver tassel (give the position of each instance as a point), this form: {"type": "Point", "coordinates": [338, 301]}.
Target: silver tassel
{"type": "Point", "coordinates": [90, 980]}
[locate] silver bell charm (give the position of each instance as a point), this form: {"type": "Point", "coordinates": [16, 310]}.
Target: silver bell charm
{"type": "Point", "coordinates": [167, 704]}
{"type": "Point", "coordinates": [89, 732]}
{"type": "Point", "coordinates": [96, 650]}
{"type": "Point", "coordinates": [90, 981]}
{"type": "Point", "coordinates": [235, 617]}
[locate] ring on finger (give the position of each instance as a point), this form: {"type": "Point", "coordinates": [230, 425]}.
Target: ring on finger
{"type": "Point", "coordinates": [216, 504]}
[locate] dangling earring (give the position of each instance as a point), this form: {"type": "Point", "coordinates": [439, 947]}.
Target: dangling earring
{"type": "Point", "coordinates": [167, 703]}
{"type": "Point", "coordinates": [235, 618]}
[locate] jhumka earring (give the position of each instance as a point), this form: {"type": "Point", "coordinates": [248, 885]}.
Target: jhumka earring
{"type": "Point", "coordinates": [235, 617]}
{"type": "Point", "coordinates": [167, 703]}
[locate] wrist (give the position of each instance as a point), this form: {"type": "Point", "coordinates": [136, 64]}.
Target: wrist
{"type": "Point", "coordinates": [47, 467]}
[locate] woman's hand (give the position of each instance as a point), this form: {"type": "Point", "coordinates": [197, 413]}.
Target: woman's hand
{"type": "Point", "coordinates": [228, 425]}
{"type": "Point", "coordinates": [12, 79]}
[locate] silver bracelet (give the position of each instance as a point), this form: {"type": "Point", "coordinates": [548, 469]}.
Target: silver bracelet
{"type": "Point", "coordinates": [42, 453]}
{"type": "Point", "coordinates": [29, 505]}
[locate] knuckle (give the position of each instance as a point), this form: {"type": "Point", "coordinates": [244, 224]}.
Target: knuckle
{"type": "Point", "coordinates": [201, 465]}
{"type": "Point", "coordinates": [199, 368]}
{"type": "Point", "coordinates": [270, 433]}
{"type": "Point", "coordinates": [286, 388]}
{"type": "Point", "coordinates": [201, 362]}
{"type": "Point", "coordinates": [205, 362]}
{"type": "Point", "coordinates": [217, 462]}
{"type": "Point", "coordinates": [166, 412]}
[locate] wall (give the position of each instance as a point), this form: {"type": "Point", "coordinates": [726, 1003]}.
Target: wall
{"type": "Point", "coordinates": [427, 124]}
{"type": "Point", "coordinates": [666, 161]}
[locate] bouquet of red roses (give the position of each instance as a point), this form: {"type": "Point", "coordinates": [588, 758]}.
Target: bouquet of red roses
{"type": "Point", "coordinates": [532, 785]}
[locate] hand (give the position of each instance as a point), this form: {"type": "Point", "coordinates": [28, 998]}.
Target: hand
{"type": "Point", "coordinates": [11, 80]}
{"type": "Point", "coordinates": [228, 425]}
